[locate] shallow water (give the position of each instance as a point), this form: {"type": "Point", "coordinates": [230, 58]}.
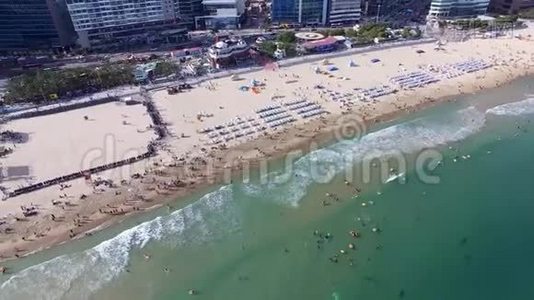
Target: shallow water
{"type": "Point", "coordinates": [462, 238]}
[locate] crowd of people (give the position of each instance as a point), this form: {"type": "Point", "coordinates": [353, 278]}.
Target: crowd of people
{"type": "Point", "coordinates": [151, 151]}
{"type": "Point", "coordinates": [9, 136]}
{"type": "Point", "coordinates": [157, 120]}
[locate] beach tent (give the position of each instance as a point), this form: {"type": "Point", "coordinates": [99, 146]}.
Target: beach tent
{"type": "Point", "coordinates": [352, 63]}
{"type": "Point", "coordinates": [332, 68]}
{"type": "Point", "coordinates": [255, 82]}
{"type": "Point", "coordinates": [243, 88]}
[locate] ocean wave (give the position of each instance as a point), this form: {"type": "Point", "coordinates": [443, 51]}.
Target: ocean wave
{"type": "Point", "coordinates": [79, 275]}
{"type": "Point", "coordinates": [320, 166]}
{"type": "Point", "coordinates": [523, 107]}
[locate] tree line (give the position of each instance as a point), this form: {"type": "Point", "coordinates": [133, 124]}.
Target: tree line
{"type": "Point", "coordinates": [48, 85]}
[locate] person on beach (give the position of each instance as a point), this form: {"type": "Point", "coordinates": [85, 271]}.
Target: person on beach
{"type": "Point", "coordinates": [146, 256]}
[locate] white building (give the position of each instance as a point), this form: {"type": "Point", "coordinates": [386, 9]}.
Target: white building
{"type": "Point", "coordinates": [344, 12]}
{"type": "Point", "coordinates": [228, 52]}
{"type": "Point", "coordinates": [101, 21]}
{"type": "Point", "coordinates": [221, 14]}
{"type": "Point", "coordinates": [457, 8]}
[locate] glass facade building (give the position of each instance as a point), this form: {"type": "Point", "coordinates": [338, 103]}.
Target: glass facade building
{"type": "Point", "coordinates": [309, 12]}
{"type": "Point", "coordinates": [457, 8]}
{"type": "Point", "coordinates": [344, 12]}
{"type": "Point", "coordinates": [100, 22]}
{"type": "Point", "coordinates": [221, 14]}
{"type": "Point", "coordinates": [374, 7]}
{"type": "Point", "coordinates": [34, 24]}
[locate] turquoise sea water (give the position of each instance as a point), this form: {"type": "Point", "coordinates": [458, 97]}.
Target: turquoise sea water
{"type": "Point", "coordinates": [466, 237]}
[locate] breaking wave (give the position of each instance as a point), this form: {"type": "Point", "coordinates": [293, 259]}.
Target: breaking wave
{"type": "Point", "coordinates": [523, 107]}
{"type": "Point", "coordinates": [79, 275]}
{"type": "Point", "coordinates": [320, 166]}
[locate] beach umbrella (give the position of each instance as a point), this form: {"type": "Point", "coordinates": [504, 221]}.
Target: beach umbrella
{"type": "Point", "coordinates": [332, 68]}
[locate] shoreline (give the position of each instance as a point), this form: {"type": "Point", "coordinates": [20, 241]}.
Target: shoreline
{"type": "Point", "coordinates": [319, 132]}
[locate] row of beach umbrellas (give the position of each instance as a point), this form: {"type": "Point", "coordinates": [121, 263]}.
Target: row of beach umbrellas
{"type": "Point", "coordinates": [414, 79]}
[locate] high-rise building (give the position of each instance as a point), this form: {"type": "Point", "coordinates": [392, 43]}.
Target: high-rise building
{"type": "Point", "coordinates": [344, 12]}
{"type": "Point", "coordinates": [457, 8]}
{"type": "Point", "coordinates": [104, 22]}
{"type": "Point", "coordinates": [221, 14]}
{"type": "Point", "coordinates": [306, 12]}
{"type": "Point", "coordinates": [372, 8]}
{"type": "Point", "coordinates": [510, 6]}
{"type": "Point", "coordinates": [34, 24]}
{"type": "Point", "coordinates": [187, 10]}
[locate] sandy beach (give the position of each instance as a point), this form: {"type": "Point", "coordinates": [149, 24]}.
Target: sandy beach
{"type": "Point", "coordinates": [191, 159]}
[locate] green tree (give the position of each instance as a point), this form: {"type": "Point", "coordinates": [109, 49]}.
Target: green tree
{"type": "Point", "coordinates": [338, 31]}
{"type": "Point", "coordinates": [38, 86]}
{"type": "Point", "coordinates": [289, 48]}
{"type": "Point", "coordinates": [267, 48]}
{"type": "Point", "coordinates": [165, 68]}
{"type": "Point", "coordinates": [287, 37]}
{"type": "Point", "coordinates": [351, 33]}
{"type": "Point", "coordinates": [406, 32]}
{"type": "Point", "coordinates": [324, 32]}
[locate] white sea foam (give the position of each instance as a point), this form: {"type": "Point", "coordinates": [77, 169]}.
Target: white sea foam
{"type": "Point", "coordinates": [322, 165]}
{"type": "Point", "coordinates": [523, 107]}
{"type": "Point", "coordinates": [79, 275]}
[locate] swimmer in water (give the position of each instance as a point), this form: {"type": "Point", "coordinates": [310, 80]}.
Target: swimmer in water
{"type": "Point", "coordinates": [146, 256]}
{"type": "Point", "coordinates": [166, 270]}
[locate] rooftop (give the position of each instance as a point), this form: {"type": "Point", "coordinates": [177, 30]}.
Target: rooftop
{"type": "Point", "coordinates": [320, 43]}
{"type": "Point", "coordinates": [229, 43]}
{"type": "Point", "coordinates": [309, 36]}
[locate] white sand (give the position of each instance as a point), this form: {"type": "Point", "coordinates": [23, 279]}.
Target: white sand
{"type": "Point", "coordinates": [61, 144]}
{"type": "Point", "coordinates": [226, 101]}
{"type": "Point", "coordinates": [64, 143]}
